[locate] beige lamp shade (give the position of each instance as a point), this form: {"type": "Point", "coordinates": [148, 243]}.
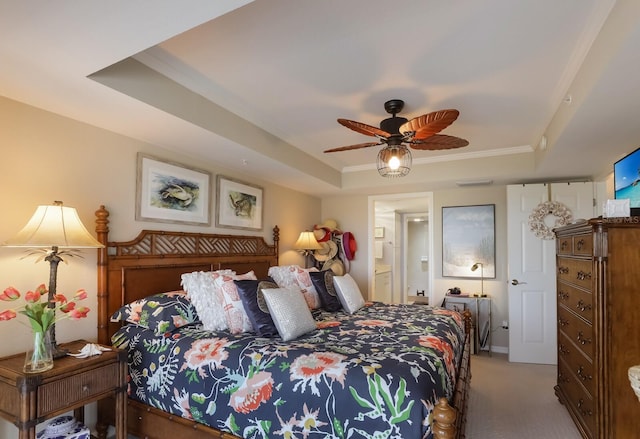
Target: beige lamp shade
{"type": "Point", "coordinates": [307, 241]}
{"type": "Point", "coordinates": [54, 226]}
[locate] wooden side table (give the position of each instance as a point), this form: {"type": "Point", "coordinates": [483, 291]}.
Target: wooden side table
{"type": "Point", "coordinates": [28, 399]}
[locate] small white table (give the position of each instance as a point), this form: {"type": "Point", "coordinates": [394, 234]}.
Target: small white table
{"type": "Point", "coordinates": [480, 307]}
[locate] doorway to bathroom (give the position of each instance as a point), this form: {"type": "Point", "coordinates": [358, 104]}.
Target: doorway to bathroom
{"type": "Point", "coordinates": [401, 237]}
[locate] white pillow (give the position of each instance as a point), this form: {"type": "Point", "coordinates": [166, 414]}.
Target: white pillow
{"type": "Point", "coordinates": [206, 297]}
{"type": "Point", "coordinates": [348, 293]}
{"type": "Point", "coordinates": [288, 276]}
{"type": "Point", "coordinates": [289, 312]}
{"type": "Point", "coordinates": [235, 314]}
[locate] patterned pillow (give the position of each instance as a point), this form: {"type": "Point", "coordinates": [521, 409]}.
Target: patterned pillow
{"type": "Point", "coordinates": [250, 292]}
{"type": "Point", "coordinates": [287, 276]}
{"type": "Point", "coordinates": [349, 293]}
{"type": "Point", "coordinates": [160, 313]}
{"type": "Point", "coordinates": [289, 311]}
{"type": "Point", "coordinates": [206, 297]}
{"type": "Point", "coordinates": [323, 281]}
{"type": "Point", "coordinates": [237, 318]}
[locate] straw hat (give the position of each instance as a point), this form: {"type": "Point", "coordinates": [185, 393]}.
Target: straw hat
{"type": "Point", "coordinates": [334, 265]}
{"type": "Point", "coordinates": [328, 251]}
{"type": "Point", "coordinates": [323, 231]}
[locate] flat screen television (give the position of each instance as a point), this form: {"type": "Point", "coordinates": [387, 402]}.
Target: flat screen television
{"type": "Point", "coordinates": [626, 180]}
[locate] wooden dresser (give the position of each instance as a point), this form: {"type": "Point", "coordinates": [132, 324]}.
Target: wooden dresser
{"type": "Point", "coordinates": [598, 292]}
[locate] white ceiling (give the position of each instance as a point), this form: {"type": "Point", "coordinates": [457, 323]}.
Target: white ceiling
{"type": "Point", "coordinates": [257, 86]}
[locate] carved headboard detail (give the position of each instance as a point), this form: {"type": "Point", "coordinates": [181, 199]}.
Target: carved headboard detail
{"type": "Point", "coordinates": [154, 261]}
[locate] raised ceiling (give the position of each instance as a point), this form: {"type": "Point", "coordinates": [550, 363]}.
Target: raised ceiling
{"type": "Point", "coordinates": [257, 86]}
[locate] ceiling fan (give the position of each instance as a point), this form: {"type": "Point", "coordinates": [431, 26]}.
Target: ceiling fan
{"type": "Point", "coordinates": [420, 132]}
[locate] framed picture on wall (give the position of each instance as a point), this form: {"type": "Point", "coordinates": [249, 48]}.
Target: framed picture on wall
{"type": "Point", "coordinates": [468, 238]}
{"type": "Point", "coordinates": [172, 193]}
{"type": "Point", "coordinates": [238, 205]}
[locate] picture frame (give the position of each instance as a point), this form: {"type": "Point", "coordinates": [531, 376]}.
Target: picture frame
{"type": "Point", "coordinates": [170, 192]}
{"type": "Point", "coordinates": [238, 204]}
{"type": "Point", "coordinates": [468, 237]}
{"type": "Point", "coordinates": [378, 232]}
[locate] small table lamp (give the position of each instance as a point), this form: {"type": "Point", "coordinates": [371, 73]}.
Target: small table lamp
{"type": "Point", "coordinates": [54, 227]}
{"type": "Point", "coordinates": [474, 267]}
{"type": "Point", "coordinates": [306, 243]}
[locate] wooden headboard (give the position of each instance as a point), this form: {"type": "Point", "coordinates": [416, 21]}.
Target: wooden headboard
{"type": "Point", "coordinates": [154, 261]}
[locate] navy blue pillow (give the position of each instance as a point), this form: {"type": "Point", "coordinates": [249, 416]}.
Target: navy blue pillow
{"type": "Point", "coordinates": [323, 282]}
{"type": "Point", "coordinates": [250, 292]}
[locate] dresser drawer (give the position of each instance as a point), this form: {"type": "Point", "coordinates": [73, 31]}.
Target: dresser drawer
{"type": "Point", "coordinates": [580, 366]}
{"type": "Point", "coordinates": [576, 271]}
{"type": "Point", "coordinates": [583, 245]}
{"type": "Point", "coordinates": [576, 330]}
{"type": "Point", "coordinates": [580, 301]}
{"type": "Point", "coordinates": [578, 400]}
{"type": "Point", "coordinates": [564, 245]}
{"type": "Point", "coordinates": [75, 389]}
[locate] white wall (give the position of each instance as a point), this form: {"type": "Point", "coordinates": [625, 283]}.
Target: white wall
{"type": "Point", "coordinates": [46, 157]}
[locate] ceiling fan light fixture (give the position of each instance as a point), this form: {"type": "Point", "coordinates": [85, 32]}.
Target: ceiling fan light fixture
{"type": "Point", "coordinates": [394, 161]}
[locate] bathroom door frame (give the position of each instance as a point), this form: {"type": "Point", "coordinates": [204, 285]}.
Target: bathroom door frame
{"type": "Point", "coordinates": [398, 271]}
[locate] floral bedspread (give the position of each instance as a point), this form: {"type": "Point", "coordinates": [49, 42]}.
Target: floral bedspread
{"type": "Point", "coordinates": [374, 374]}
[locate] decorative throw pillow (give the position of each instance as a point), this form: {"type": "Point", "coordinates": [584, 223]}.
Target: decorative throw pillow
{"type": "Point", "coordinates": [237, 318]}
{"type": "Point", "coordinates": [250, 292]}
{"type": "Point", "coordinates": [206, 297]}
{"type": "Point", "coordinates": [287, 276]}
{"type": "Point", "coordinates": [160, 313]}
{"type": "Point", "coordinates": [323, 281]}
{"type": "Point", "coordinates": [349, 293]}
{"type": "Point", "coordinates": [289, 312]}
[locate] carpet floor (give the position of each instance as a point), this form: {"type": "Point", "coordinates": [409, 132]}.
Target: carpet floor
{"type": "Point", "coordinates": [515, 401]}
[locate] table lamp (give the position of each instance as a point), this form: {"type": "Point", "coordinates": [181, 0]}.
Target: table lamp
{"type": "Point", "coordinates": [306, 244]}
{"type": "Point", "coordinates": [56, 230]}
{"type": "Point", "coordinates": [474, 267]}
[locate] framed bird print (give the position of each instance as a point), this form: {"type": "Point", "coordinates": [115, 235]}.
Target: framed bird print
{"type": "Point", "coordinates": [238, 204]}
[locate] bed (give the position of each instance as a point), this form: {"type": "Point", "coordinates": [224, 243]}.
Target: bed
{"type": "Point", "coordinates": [355, 375]}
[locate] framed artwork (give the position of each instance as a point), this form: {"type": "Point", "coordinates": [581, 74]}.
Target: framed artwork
{"type": "Point", "coordinates": [238, 205]}
{"type": "Point", "coordinates": [468, 237]}
{"type": "Point", "coordinates": [379, 232]}
{"type": "Point", "coordinates": [172, 193]}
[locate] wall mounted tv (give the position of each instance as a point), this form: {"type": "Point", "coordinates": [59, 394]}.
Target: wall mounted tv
{"type": "Point", "coordinates": [626, 180]}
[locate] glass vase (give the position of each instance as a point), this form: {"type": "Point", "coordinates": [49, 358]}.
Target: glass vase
{"type": "Point", "coordinates": [40, 356]}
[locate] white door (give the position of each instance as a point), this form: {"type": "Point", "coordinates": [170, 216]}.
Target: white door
{"type": "Point", "coordinates": [532, 276]}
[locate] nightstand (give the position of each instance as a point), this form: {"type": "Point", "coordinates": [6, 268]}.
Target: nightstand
{"type": "Point", "coordinates": [28, 399]}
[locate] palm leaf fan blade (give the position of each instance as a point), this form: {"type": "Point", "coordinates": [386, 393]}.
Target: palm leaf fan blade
{"type": "Point", "coordinates": [439, 141]}
{"type": "Point", "coordinates": [429, 124]}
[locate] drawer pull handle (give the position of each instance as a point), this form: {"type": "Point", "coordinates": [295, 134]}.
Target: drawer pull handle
{"type": "Point", "coordinates": [564, 245]}
{"type": "Point", "coordinates": [584, 412]}
{"type": "Point", "coordinates": [582, 306]}
{"type": "Point", "coordinates": [581, 374]}
{"type": "Point", "coordinates": [583, 340]}
{"type": "Point", "coordinates": [85, 388]}
{"type": "Point", "coordinates": [583, 276]}
{"type": "Point", "coordinates": [563, 349]}
{"type": "Point", "coordinates": [563, 323]}
{"type": "Point", "coordinates": [563, 270]}
{"type": "Point", "coordinates": [562, 295]}
{"type": "Point", "coordinates": [580, 244]}
{"type": "Point", "coordinates": [562, 378]}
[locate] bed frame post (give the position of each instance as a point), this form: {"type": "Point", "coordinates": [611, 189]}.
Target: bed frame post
{"type": "Point", "coordinates": [102, 231]}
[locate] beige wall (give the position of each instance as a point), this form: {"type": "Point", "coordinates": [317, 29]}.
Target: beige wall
{"type": "Point", "coordinates": [46, 157]}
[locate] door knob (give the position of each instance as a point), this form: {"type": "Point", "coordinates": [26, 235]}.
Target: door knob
{"type": "Point", "coordinates": [516, 282]}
